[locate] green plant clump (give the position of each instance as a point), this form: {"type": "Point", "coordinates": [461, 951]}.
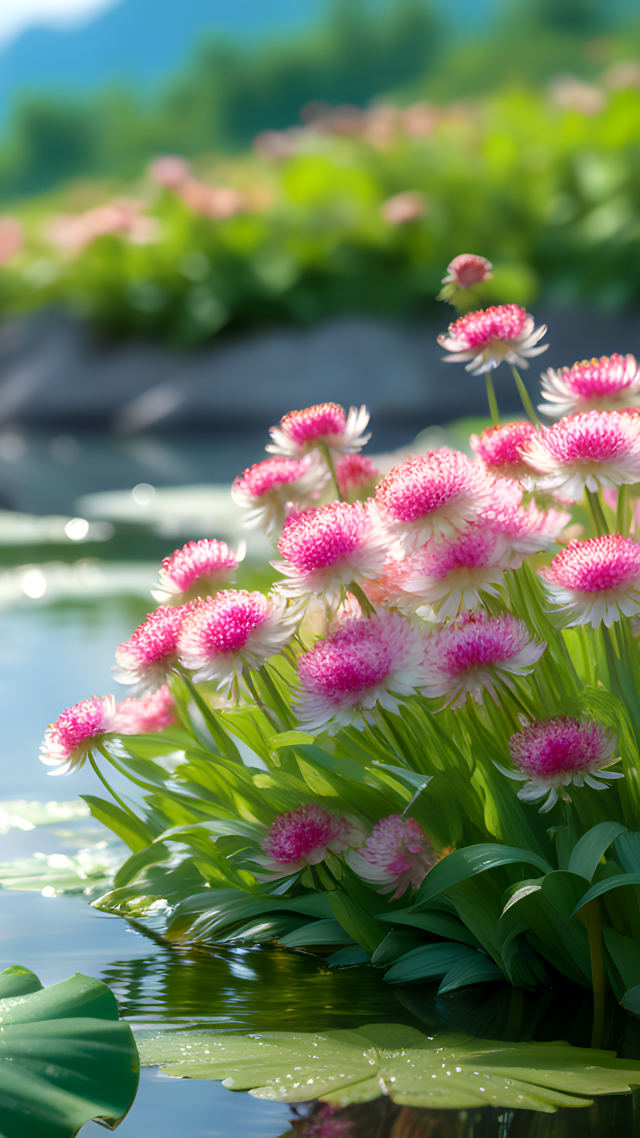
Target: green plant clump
{"type": "Point", "coordinates": [352, 214]}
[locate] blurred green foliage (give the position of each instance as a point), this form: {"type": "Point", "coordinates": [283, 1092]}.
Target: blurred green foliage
{"type": "Point", "coordinates": [225, 95]}
{"type": "Point", "coordinates": [550, 195]}
{"type": "Point", "coordinates": [227, 92]}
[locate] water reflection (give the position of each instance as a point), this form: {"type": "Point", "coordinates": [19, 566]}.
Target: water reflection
{"type": "Point", "coordinates": [263, 989]}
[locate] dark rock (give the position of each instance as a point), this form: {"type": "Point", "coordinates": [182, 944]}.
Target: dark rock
{"type": "Point", "coordinates": [55, 373]}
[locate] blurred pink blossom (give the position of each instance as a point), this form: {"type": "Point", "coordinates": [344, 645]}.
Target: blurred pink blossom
{"type": "Point", "coordinates": [402, 208]}
{"type": "Point", "coordinates": [122, 216]}
{"type": "Point", "coordinates": [170, 171]}
{"type": "Point", "coordinates": [10, 238]}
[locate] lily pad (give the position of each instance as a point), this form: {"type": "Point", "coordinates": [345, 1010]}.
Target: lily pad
{"type": "Point", "coordinates": [446, 1071]}
{"type": "Point", "coordinates": [65, 1058]}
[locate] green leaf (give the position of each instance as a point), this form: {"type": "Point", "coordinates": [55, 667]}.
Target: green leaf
{"type": "Point", "coordinates": [631, 1000]}
{"type": "Point", "coordinates": [479, 969]}
{"type": "Point", "coordinates": [150, 855]}
{"type": "Point", "coordinates": [365, 930]}
{"type": "Point", "coordinates": [625, 954]}
{"type": "Point", "coordinates": [291, 739]}
{"type": "Point", "coordinates": [397, 943]}
{"type": "Point", "coordinates": [428, 962]}
{"type": "Point", "coordinates": [467, 862]}
{"type": "Point", "coordinates": [64, 1056]}
{"type": "Point", "coordinates": [627, 847]}
{"type": "Point", "coordinates": [417, 781]}
{"type": "Point", "coordinates": [592, 845]}
{"type": "Point", "coordinates": [345, 957]}
{"type": "Point", "coordinates": [132, 831]}
{"type": "Point", "coordinates": [18, 981]}
{"type": "Point", "coordinates": [606, 886]}
{"type": "Point", "coordinates": [451, 1071]}
{"type": "Point", "coordinates": [441, 924]}
{"type": "Point", "coordinates": [318, 932]}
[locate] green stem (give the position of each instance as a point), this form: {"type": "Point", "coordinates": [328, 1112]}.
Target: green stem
{"type": "Point", "coordinates": [524, 395]}
{"type": "Point", "coordinates": [622, 513]}
{"type": "Point", "coordinates": [360, 595]}
{"type": "Point", "coordinates": [104, 782]}
{"type": "Point", "coordinates": [590, 917]}
{"type": "Point", "coordinates": [493, 402]}
{"type": "Point", "coordinates": [328, 458]}
{"type": "Point", "coordinates": [597, 513]}
{"type": "Point", "coordinates": [269, 715]}
{"type": "Point", "coordinates": [227, 747]}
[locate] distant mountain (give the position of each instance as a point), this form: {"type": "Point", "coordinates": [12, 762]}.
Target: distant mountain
{"type": "Point", "coordinates": [142, 42]}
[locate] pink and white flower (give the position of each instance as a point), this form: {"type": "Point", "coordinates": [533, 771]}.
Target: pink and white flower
{"type": "Point", "coordinates": [354, 472]}
{"type": "Point", "coordinates": [475, 653]}
{"type": "Point", "coordinates": [525, 530]}
{"type": "Point", "coordinates": [397, 854]}
{"type": "Point", "coordinates": [276, 487]}
{"type": "Point", "coordinates": [593, 449]}
{"type": "Point", "coordinates": [468, 269]}
{"type": "Point", "coordinates": [323, 425]}
{"type": "Point", "coordinates": [596, 580]}
{"type": "Point", "coordinates": [329, 547]}
{"type": "Point", "coordinates": [438, 493]}
{"type": "Point", "coordinates": [552, 753]}
{"type": "Point", "coordinates": [233, 630]}
{"type": "Point", "coordinates": [486, 338]}
{"type": "Point", "coordinates": [147, 716]}
{"type": "Point", "coordinates": [455, 574]}
{"type": "Point", "coordinates": [305, 836]}
{"type": "Point", "coordinates": [611, 383]}
{"type": "Point", "coordinates": [75, 733]}
{"type": "Point", "coordinates": [199, 569]}
{"type": "Point", "coordinates": [363, 664]}
{"type": "Point", "coordinates": [498, 448]}
{"type": "Point", "coordinates": [151, 655]}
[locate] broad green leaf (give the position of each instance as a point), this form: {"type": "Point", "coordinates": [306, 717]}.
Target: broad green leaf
{"type": "Point", "coordinates": [345, 957]}
{"type": "Point", "coordinates": [467, 862]}
{"type": "Point", "coordinates": [606, 886]}
{"type": "Point", "coordinates": [132, 831]}
{"type": "Point", "coordinates": [592, 845]}
{"type": "Point", "coordinates": [451, 1071]}
{"type": "Point", "coordinates": [151, 855]}
{"type": "Point", "coordinates": [625, 954]}
{"type": "Point", "coordinates": [428, 962]}
{"type": "Point", "coordinates": [18, 814]}
{"type": "Point", "coordinates": [87, 872]}
{"type": "Point", "coordinates": [18, 981]}
{"type": "Point", "coordinates": [64, 1056]}
{"type": "Point", "coordinates": [479, 969]}
{"type": "Point", "coordinates": [627, 847]}
{"type": "Point", "coordinates": [397, 943]}
{"type": "Point", "coordinates": [441, 924]}
{"type": "Point", "coordinates": [631, 1000]}
{"type": "Point", "coordinates": [318, 932]}
{"type": "Point", "coordinates": [365, 930]}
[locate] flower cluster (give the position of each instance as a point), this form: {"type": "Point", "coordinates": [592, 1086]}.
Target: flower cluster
{"type": "Point", "coordinates": [396, 855]}
{"type": "Point", "coordinates": [405, 639]}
